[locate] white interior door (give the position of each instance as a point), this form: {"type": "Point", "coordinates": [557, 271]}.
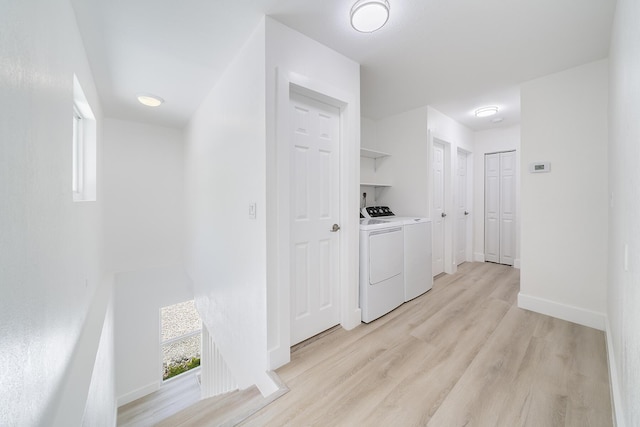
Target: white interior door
{"type": "Point", "coordinates": [461, 209]}
{"type": "Point", "coordinates": [499, 190]}
{"type": "Point", "coordinates": [492, 207]}
{"type": "Point", "coordinates": [315, 257]}
{"type": "Point", "coordinates": [438, 208]}
{"type": "Point", "coordinates": [507, 207]}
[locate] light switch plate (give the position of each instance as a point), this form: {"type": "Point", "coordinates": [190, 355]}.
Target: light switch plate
{"type": "Point", "coordinates": [252, 210]}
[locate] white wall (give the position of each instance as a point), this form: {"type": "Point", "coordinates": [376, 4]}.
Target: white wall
{"type": "Point", "coordinates": [564, 212]}
{"type": "Point", "coordinates": [143, 196]}
{"type": "Point", "coordinates": [448, 130]}
{"type": "Point", "coordinates": [49, 245]}
{"type": "Point", "coordinates": [492, 141]}
{"type": "Point", "coordinates": [369, 134]}
{"type": "Point", "coordinates": [144, 244]}
{"type": "Point", "coordinates": [623, 296]}
{"type": "Point", "coordinates": [295, 58]}
{"type": "Point", "coordinates": [404, 136]}
{"type": "Point", "coordinates": [226, 250]}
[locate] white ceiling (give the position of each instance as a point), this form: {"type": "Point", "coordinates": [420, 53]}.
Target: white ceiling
{"type": "Point", "coordinates": [455, 55]}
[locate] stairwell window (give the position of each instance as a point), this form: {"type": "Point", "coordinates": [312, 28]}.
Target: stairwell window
{"type": "Point", "coordinates": [84, 153]}
{"type": "Point", "coordinates": [77, 153]}
{"type": "Point", "coordinates": [181, 336]}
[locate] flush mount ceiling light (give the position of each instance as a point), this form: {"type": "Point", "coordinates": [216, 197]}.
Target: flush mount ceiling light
{"type": "Point", "coordinates": [150, 100]}
{"type": "Point", "coordinates": [486, 111]}
{"type": "Point", "coordinates": [368, 16]}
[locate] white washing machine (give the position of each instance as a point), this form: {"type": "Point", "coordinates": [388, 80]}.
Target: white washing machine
{"type": "Point", "coordinates": [381, 267]}
{"type": "Point", "coordinates": [417, 245]}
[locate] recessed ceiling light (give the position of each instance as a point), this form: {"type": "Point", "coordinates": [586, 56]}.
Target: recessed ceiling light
{"type": "Point", "coordinates": [150, 100]}
{"type": "Point", "coordinates": [486, 111]}
{"type": "Point", "coordinates": [368, 16]}
{"type": "Point", "coordinates": [497, 119]}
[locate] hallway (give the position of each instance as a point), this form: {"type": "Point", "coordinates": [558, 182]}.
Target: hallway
{"type": "Point", "coordinates": [462, 354]}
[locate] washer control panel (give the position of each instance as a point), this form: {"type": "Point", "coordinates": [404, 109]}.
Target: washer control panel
{"type": "Point", "coordinates": [377, 211]}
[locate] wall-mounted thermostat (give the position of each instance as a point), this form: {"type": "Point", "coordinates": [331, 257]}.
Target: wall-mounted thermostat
{"type": "Point", "coordinates": [538, 167]}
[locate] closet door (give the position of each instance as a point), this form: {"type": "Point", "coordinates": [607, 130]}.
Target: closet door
{"type": "Point", "coordinates": [492, 207]}
{"type": "Point", "coordinates": [507, 207]}
{"type": "Point", "coordinates": [499, 205]}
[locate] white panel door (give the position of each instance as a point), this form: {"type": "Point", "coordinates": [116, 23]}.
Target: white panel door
{"type": "Point", "coordinates": [461, 209]}
{"type": "Point", "coordinates": [315, 257]}
{"type": "Point", "coordinates": [499, 202]}
{"type": "Point", "coordinates": [507, 207]}
{"type": "Point", "coordinates": [492, 207]}
{"type": "Point", "coordinates": [438, 208]}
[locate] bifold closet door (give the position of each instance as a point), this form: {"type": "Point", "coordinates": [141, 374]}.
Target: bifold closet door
{"type": "Point", "coordinates": [499, 190]}
{"type": "Point", "coordinates": [507, 207]}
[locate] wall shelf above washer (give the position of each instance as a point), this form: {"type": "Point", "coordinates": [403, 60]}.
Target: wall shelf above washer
{"type": "Point", "coordinates": [371, 184]}
{"type": "Point", "coordinates": [372, 154]}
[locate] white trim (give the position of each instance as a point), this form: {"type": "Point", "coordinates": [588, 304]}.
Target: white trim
{"type": "Point", "coordinates": [567, 312]}
{"type": "Point", "coordinates": [478, 256]}
{"type": "Point", "coordinates": [138, 393]}
{"type": "Point", "coordinates": [350, 315]}
{"type": "Point", "coordinates": [516, 263]}
{"type": "Point", "coordinates": [616, 398]}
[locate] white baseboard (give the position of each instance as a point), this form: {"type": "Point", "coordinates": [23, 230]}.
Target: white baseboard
{"type": "Point", "coordinates": [269, 383]}
{"type": "Point", "coordinates": [353, 319]}
{"type": "Point", "coordinates": [516, 263]}
{"type": "Point", "coordinates": [616, 399]}
{"type": "Point", "coordinates": [137, 394]}
{"type": "Point", "coordinates": [279, 356]}
{"type": "Point", "coordinates": [567, 312]}
{"type": "Point", "coordinates": [478, 256]}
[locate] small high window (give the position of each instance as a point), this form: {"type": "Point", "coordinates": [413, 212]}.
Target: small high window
{"type": "Point", "coordinates": [181, 336]}
{"type": "Point", "coordinates": [83, 173]}
{"type": "Point", "coordinates": [77, 153]}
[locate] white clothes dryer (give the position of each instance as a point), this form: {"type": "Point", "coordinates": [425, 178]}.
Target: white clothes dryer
{"type": "Point", "coordinates": [381, 267]}
{"type": "Point", "coordinates": [417, 245]}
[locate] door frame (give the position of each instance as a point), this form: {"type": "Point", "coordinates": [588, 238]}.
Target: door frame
{"type": "Point", "coordinates": [469, 202]}
{"type": "Point", "coordinates": [312, 317]}
{"type": "Point", "coordinates": [279, 217]}
{"type": "Point", "coordinates": [450, 266]}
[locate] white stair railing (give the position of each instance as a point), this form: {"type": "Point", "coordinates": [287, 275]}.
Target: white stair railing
{"type": "Point", "coordinates": [215, 376]}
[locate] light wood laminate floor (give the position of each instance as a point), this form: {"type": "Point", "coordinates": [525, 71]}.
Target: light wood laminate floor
{"type": "Point", "coordinates": [462, 354]}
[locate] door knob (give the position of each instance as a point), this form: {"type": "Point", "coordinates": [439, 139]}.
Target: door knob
{"type": "Point", "coordinates": [335, 228]}
{"type": "Point", "coordinates": [443, 214]}
{"type": "Point", "coordinates": [466, 213]}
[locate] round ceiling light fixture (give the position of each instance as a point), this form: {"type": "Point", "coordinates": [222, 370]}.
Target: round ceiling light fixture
{"type": "Point", "coordinates": [368, 16]}
{"type": "Point", "coordinates": [150, 100]}
{"type": "Point", "coordinates": [486, 111]}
